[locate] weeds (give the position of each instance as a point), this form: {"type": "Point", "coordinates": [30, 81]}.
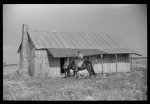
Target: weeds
{"type": "Point", "coordinates": [119, 86]}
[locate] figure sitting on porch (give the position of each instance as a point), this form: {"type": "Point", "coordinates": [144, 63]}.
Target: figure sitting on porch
{"type": "Point", "coordinates": [79, 61]}
{"type": "Point", "coordinates": [66, 63]}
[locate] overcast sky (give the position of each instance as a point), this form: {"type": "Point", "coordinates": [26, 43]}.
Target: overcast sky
{"type": "Point", "coordinates": [127, 21]}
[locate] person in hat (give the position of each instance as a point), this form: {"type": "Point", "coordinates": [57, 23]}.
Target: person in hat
{"type": "Point", "coordinates": [80, 55]}
{"type": "Point", "coordinates": [79, 60]}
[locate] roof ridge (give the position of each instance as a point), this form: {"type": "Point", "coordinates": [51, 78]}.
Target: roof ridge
{"type": "Point", "coordinates": [70, 32]}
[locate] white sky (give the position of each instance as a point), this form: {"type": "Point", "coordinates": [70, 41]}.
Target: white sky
{"type": "Point", "coordinates": [127, 21]}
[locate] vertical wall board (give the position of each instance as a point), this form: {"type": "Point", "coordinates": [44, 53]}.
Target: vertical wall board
{"type": "Point", "coordinates": [118, 63]}
{"type": "Point", "coordinates": [109, 63]}
{"type": "Point", "coordinates": [113, 63]}
{"type": "Point", "coordinates": [123, 63]}
{"type": "Point", "coordinates": [43, 62]}
{"type": "Point", "coordinates": [105, 65]}
{"type": "Point", "coordinates": [127, 63]}
{"type": "Point", "coordinates": [98, 68]}
{"type": "Point", "coordinates": [102, 63]}
{"type": "Point", "coordinates": [99, 65]}
{"type": "Point", "coordinates": [54, 67]}
{"type": "Point", "coordinates": [125, 58]}
{"type": "Point", "coordinates": [31, 61]}
{"type": "Point", "coordinates": [38, 63]}
{"type": "Point", "coordinates": [96, 61]}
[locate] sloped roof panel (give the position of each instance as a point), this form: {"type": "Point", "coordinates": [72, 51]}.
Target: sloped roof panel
{"type": "Point", "coordinates": [73, 52]}
{"type": "Point", "coordinates": [120, 50]}
{"type": "Point", "coordinates": [61, 40]}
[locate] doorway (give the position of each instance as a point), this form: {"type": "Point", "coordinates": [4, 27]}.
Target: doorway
{"type": "Point", "coordinates": [62, 61]}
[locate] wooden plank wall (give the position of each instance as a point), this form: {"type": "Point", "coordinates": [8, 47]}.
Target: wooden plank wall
{"type": "Point", "coordinates": [109, 63]}
{"type": "Point", "coordinates": [54, 67]}
{"type": "Point", "coordinates": [46, 65]}
{"type": "Point", "coordinates": [96, 61]}
{"type": "Point", "coordinates": [127, 63]}
{"type": "Point", "coordinates": [105, 64]}
{"type": "Point", "coordinates": [111, 59]}
{"type": "Point", "coordinates": [123, 63]}
{"type": "Point", "coordinates": [49, 66]}
{"type": "Point", "coordinates": [39, 54]}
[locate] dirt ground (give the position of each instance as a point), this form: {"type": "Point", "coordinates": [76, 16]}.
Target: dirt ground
{"type": "Point", "coordinates": [117, 86]}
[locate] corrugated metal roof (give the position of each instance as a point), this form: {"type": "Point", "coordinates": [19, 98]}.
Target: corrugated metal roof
{"type": "Point", "coordinates": [60, 40]}
{"type": "Point", "coordinates": [73, 52]}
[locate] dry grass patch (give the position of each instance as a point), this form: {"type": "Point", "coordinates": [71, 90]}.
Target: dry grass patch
{"type": "Point", "coordinates": [117, 86]}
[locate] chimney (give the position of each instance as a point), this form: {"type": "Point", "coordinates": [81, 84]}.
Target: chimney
{"type": "Point", "coordinates": [24, 51]}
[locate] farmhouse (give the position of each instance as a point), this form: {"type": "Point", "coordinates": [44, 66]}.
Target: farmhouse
{"type": "Point", "coordinates": [43, 53]}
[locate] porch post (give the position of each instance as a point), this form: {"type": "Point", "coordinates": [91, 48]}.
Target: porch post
{"type": "Point", "coordinates": [116, 62]}
{"type": "Point", "coordinates": [131, 60]}
{"type": "Point", "coordinates": [102, 62]}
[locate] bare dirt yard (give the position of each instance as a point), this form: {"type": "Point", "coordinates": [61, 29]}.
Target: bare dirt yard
{"type": "Point", "coordinates": [118, 86]}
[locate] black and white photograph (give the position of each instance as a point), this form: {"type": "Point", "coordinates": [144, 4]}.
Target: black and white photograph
{"type": "Point", "coordinates": [75, 52]}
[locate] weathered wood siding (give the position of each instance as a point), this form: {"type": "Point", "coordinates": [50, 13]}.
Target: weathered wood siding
{"type": "Point", "coordinates": [96, 61]}
{"type": "Point", "coordinates": [31, 60]}
{"type": "Point", "coordinates": [105, 64]}
{"type": "Point", "coordinates": [123, 64]}
{"type": "Point", "coordinates": [111, 59]}
{"type": "Point", "coordinates": [54, 67]}
{"type": "Point", "coordinates": [109, 63]}
{"type": "Point", "coordinates": [46, 65]}
{"type": "Point", "coordinates": [39, 62]}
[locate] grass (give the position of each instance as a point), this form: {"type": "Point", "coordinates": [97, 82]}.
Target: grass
{"type": "Point", "coordinates": [119, 86]}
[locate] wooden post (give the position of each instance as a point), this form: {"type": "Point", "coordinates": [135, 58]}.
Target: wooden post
{"type": "Point", "coordinates": [102, 62]}
{"type": "Point", "coordinates": [131, 60]}
{"type": "Point", "coordinates": [68, 64]}
{"type": "Point", "coordinates": [68, 59]}
{"type": "Point", "coordinates": [116, 62]}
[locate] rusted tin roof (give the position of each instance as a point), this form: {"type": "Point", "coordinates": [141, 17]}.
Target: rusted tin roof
{"type": "Point", "coordinates": [62, 42]}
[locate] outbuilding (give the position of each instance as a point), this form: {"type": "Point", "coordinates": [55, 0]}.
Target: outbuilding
{"type": "Point", "coordinates": [43, 53]}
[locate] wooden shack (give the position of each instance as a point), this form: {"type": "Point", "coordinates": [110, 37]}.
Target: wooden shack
{"type": "Point", "coordinates": [43, 53]}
